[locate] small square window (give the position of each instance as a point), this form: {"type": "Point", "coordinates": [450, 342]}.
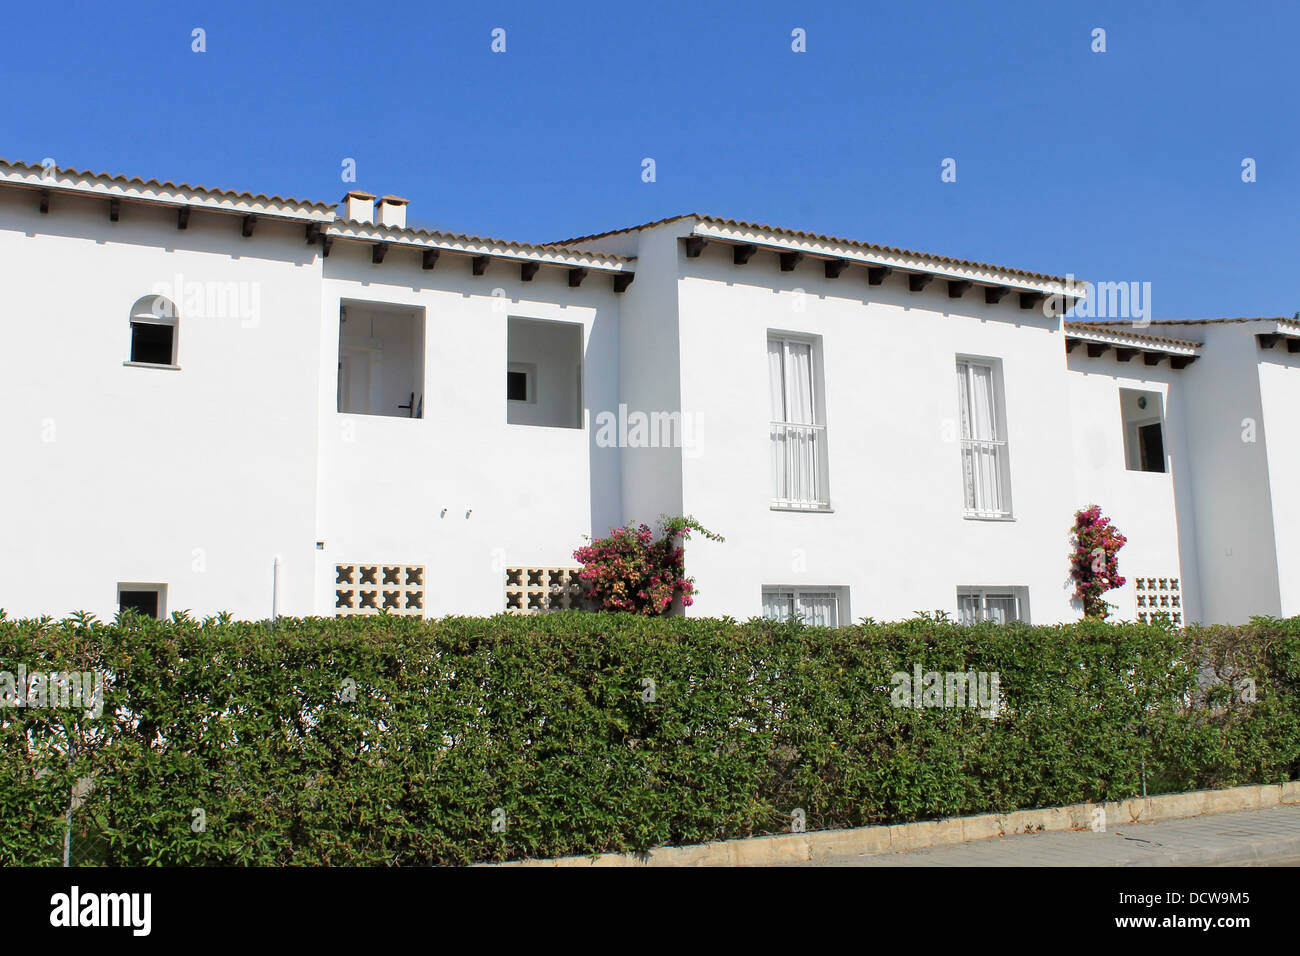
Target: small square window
{"type": "Point", "coordinates": [152, 343]}
{"type": "Point", "coordinates": [147, 599]}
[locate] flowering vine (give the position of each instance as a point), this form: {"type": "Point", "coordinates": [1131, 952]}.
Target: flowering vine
{"type": "Point", "coordinates": [1094, 562]}
{"type": "Point", "coordinates": [632, 570]}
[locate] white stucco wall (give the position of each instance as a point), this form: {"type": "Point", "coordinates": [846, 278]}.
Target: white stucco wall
{"type": "Point", "coordinates": [897, 536]}
{"type": "Point", "coordinates": [1233, 514]}
{"type": "Point", "coordinates": [650, 373]}
{"type": "Point", "coordinates": [197, 477]}
{"type": "Point", "coordinates": [1144, 506]}
{"type": "Point", "coordinates": [1279, 381]}
{"type": "Point", "coordinates": [512, 494]}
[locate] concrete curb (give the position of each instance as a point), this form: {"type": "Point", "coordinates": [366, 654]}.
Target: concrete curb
{"type": "Point", "coordinates": [822, 844]}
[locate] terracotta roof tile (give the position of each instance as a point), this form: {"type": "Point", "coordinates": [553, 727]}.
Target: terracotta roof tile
{"type": "Point", "coordinates": [167, 184]}
{"type": "Point", "coordinates": [891, 250]}
{"type": "Point", "coordinates": [1108, 328]}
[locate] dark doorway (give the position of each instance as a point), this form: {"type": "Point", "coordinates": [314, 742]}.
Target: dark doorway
{"type": "Point", "coordinates": [1151, 447]}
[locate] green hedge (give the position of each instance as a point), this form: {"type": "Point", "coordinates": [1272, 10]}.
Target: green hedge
{"type": "Point", "coordinates": [544, 718]}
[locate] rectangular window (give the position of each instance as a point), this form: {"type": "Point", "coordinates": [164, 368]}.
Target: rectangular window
{"type": "Point", "coordinates": [998, 605]}
{"type": "Point", "coordinates": [986, 476]}
{"type": "Point", "coordinates": [147, 599]}
{"type": "Point", "coordinates": [151, 343]}
{"type": "Point", "coordinates": [1144, 439]}
{"type": "Point", "coordinates": [798, 434]}
{"type": "Point", "coordinates": [521, 382]}
{"type": "Point", "coordinates": [821, 607]}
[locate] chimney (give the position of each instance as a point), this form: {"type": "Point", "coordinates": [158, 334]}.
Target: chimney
{"type": "Point", "coordinates": [359, 206]}
{"type": "Point", "coordinates": [392, 212]}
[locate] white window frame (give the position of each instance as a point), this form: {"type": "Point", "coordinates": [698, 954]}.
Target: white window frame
{"type": "Point", "coordinates": [155, 587]}
{"type": "Point", "coordinates": [840, 594]}
{"type": "Point", "coordinates": [140, 315]}
{"type": "Point", "coordinates": [988, 503]}
{"type": "Point", "coordinates": [1019, 595]}
{"type": "Point", "coordinates": [821, 500]}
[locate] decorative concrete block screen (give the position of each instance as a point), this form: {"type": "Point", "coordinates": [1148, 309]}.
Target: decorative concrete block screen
{"type": "Point", "coordinates": [1157, 596]}
{"type": "Point", "coordinates": [539, 590]}
{"type": "Point", "coordinates": [375, 588]}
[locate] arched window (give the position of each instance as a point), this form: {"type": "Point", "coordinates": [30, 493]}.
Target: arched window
{"type": "Point", "coordinates": [153, 331]}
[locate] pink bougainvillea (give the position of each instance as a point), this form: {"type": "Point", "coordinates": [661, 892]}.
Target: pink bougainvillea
{"type": "Point", "coordinates": [632, 570]}
{"type": "Point", "coordinates": [1094, 562]}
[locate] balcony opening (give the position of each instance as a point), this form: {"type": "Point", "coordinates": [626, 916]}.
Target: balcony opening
{"type": "Point", "coordinates": [1144, 438]}
{"type": "Point", "coordinates": [381, 359]}
{"type": "Point", "coordinates": [544, 373]}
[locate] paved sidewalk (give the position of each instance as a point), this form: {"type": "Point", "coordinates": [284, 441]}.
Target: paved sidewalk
{"type": "Point", "coordinates": [1242, 838]}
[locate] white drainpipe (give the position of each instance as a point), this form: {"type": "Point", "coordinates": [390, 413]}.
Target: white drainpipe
{"type": "Point", "coordinates": [275, 589]}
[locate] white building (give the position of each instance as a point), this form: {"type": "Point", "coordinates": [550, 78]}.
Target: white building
{"type": "Point", "coordinates": [224, 401]}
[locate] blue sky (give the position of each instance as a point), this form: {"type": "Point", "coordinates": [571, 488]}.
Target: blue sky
{"type": "Point", "coordinates": [1117, 166]}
